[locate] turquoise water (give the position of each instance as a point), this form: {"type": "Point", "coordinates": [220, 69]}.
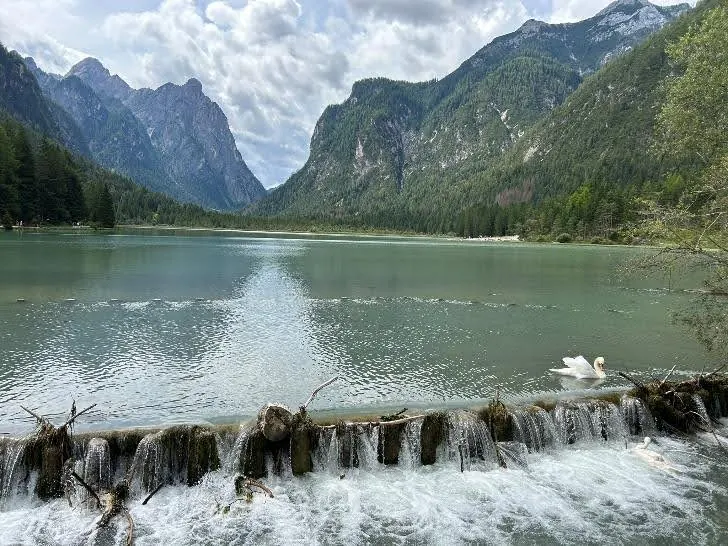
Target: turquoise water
{"type": "Point", "coordinates": [158, 328]}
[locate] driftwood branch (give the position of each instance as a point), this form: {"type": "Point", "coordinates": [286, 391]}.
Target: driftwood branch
{"type": "Point", "coordinates": [88, 488]}
{"type": "Point", "coordinates": [667, 376]}
{"type": "Point", "coordinates": [145, 501]}
{"type": "Point", "coordinates": [41, 420]}
{"type": "Point", "coordinates": [392, 417]}
{"type": "Point", "coordinates": [377, 423]}
{"type": "Point", "coordinates": [631, 380]}
{"type": "Point", "coordinates": [130, 523]}
{"type": "Point", "coordinates": [250, 482]}
{"type": "Point", "coordinates": [315, 392]}
{"type": "Point", "coordinates": [77, 415]}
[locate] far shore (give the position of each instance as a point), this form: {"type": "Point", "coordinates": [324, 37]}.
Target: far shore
{"type": "Point", "coordinates": [334, 234]}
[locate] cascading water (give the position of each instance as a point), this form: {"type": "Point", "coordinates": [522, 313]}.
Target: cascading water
{"type": "Point", "coordinates": [11, 454]}
{"type": "Point", "coordinates": [97, 471]}
{"type": "Point", "coordinates": [469, 441]}
{"type": "Point", "coordinates": [356, 493]}
{"type": "Point", "coordinates": [367, 446]}
{"type": "Point", "coordinates": [704, 421]}
{"type": "Point", "coordinates": [637, 417]}
{"type": "Point", "coordinates": [159, 459]}
{"type": "Point", "coordinates": [534, 427]}
{"type": "Point", "coordinates": [410, 451]}
{"type": "Point", "coordinates": [588, 421]}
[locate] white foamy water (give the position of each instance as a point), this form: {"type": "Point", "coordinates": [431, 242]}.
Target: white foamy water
{"type": "Point", "coordinates": [596, 493]}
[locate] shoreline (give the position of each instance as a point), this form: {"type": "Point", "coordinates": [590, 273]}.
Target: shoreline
{"type": "Point", "coordinates": [511, 239]}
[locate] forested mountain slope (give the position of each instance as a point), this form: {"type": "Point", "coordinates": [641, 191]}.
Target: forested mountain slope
{"type": "Point", "coordinates": [588, 158]}
{"type": "Point", "coordinates": [401, 154]}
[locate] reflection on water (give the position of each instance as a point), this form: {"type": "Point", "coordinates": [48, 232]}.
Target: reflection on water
{"type": "Point", "coordinates": [176, 328]}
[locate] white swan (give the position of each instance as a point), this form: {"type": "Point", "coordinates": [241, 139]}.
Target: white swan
{"type": "Point", "coordinates": [652, 458]}
{"type": "Point", "coordinates": [580, 368]}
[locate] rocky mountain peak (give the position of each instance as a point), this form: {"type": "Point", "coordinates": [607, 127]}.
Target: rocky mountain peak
{"type": "Point", "coordinates": [30, 63]}
{"type": "Point", "coordinates": [172, 139]}
{"type": "Point", "coordinates": [194, 84]}
{"type": "Point", "coordinates": [620, 5]}
{"type": "Point", "coordinates": [90, 68]}
{"type": "Point", "coordinates": [532, 26]}
{"type": "Point", "coordinates": [97, 76]}
{"type": "Point", "coordinates": [630, 18]}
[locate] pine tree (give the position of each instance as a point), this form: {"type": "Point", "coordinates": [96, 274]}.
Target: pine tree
{"type": "Point", "coordinates": [27, 186]}
{"type": "Point", "coordinates": [8, 187]}
{"type": "Point", "coordinates": [103, 208]}
{"type": "Point", "coordinates": [74, 199]}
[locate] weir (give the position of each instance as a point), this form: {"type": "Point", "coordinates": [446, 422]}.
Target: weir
{"type": "Point", "coordinates": [479, 439]}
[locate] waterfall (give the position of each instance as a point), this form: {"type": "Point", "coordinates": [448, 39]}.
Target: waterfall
{"type": "Point", "coordinates": [231, 457]}
{"type": "Point", "coordinates": [469, 441]}
{"type": "Point", "coordinates": [367, 446]}
{"type": "Point", "coordinates": [184, 454]}
{"type": "Point", "coordinates": [534, 427]}
{"type": "Point", "coordinates": [637, 417]}
{"type": "Point", "coordinates": [410, 451]}
{"type": "Point", "coordinates": [150, 466]}
{"type": "Point", "coordinates": [588, 421]}
{"type": "Point", "coordinates": [704, 422]}
{"type": "Point", "coordinates": [162, 458]}
{"type": "Point", "coordinates": [326, 455]}
{"type": "Point", "coordinates": [97, 464]}
{"type": "Point", "coordinates": [11, 455]}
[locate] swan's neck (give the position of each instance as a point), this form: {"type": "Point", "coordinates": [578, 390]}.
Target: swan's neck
{"type": "Point", "coordinates": [600, 373]}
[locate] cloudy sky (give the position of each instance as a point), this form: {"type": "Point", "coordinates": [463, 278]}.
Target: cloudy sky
{"type": "Point", "coordinates": [272, 65]}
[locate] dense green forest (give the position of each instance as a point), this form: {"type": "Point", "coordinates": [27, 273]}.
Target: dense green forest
{"type": "Point", "coordinates": [589, 168]}
{"type": "Point", "coordinates": [39, 183]}
{"type": "Point", "coordinates": [42, 184]}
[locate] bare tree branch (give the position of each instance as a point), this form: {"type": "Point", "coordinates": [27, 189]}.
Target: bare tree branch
{"type": "Point", "coordinates": [88, 488]}
{"type": "Point", "coordinates": [315, 392]}
{"type": "Point", "coordinates": [667, 376]}
{"type": "Point", "coordinates": [79, 414]}
{"type": "Point", "coordinates": [146, 500]}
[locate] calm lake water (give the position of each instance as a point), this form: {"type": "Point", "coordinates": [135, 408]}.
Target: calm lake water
{"type": "Point", "coordinates": [158, 328]}
{"type": "Point", "coordinates": [163, 328]}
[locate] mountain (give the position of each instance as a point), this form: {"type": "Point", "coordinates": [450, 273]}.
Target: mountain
{"type": "Point", "coordinates": [191, 134]}
{"type": "Point", "coordinates": [173, 139]}
{"type": "Point", "coordinates": [603, 135]}
{"type": "Point", "coordinates": [396, 152]}
{"type": "Point", "coordinates": [22, 98]}
{"type": "Point", "coordinates": [115, 137]}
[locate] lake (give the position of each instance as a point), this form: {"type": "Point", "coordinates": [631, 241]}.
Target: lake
{"type": "Point", "coordinates": [158, 327]}
{"type": "Point", "coordinates": [164, 327]}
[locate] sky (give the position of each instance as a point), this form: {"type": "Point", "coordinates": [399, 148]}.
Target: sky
{"type": "Point", "coordinates": [272, 65]}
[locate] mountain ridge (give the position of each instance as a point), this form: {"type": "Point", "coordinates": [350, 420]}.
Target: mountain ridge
{"type": "Point", "coordinates": [196, 160]}
{"type": "Point", "coordinates": [384, 152]}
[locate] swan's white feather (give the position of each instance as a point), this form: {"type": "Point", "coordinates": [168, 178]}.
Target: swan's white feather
{"type": "Point", "coordinates": [578, 367]}
{"type": "Point", "coordinates": [578, 363]}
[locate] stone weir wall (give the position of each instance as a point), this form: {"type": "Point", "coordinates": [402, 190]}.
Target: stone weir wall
{"type": "Point", "coordinates": [51, 460]}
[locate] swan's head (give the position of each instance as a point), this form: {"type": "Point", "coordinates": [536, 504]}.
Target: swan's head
{"type": "Point", "coordinates": [599, 364]}
{"type": "Point", "coordinates": [647, 441]}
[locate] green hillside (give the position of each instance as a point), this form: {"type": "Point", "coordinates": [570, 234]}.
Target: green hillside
{"type": "Point", "coordinates": [414, 156]}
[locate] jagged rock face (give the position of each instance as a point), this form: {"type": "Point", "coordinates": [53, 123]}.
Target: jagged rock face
{"type": "Point", "coordinates": [390, 144]}
{"type": "Point", "coordinates": [98, 77]}
{"type": "Point", "coordinates": [23, 99]}
{"type": "Point", "coordinates": [114, 135]}
{"type": "Point", "coordinates": [173, 139]}
{"type": "Point", "coordinates": [192, 136]}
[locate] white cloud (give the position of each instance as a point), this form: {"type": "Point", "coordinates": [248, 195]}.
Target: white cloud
{"type": "Point", "coordinates": [272, 65]}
